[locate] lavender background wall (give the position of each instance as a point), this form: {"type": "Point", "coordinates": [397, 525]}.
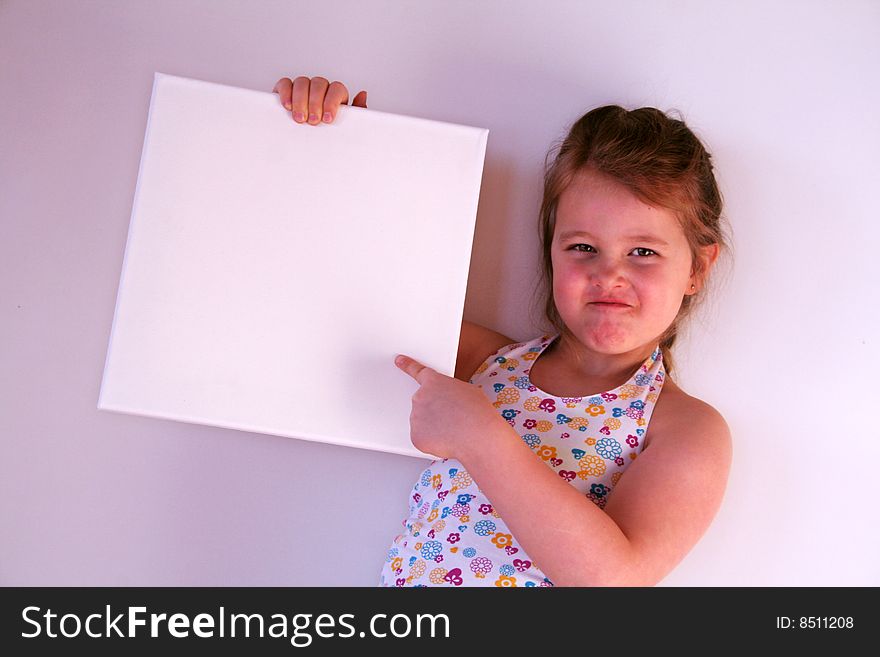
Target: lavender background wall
{"type": "Point", "coordinates": [784, 94]}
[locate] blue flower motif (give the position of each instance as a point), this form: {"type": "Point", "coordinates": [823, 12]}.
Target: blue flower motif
{"type": "Point", "coordinates": [561, 418]}
{"type": "Point", "coordinates": [638, 403]}
{"type": "Point", "coordinates": [453, 472]}
{"type": "Point", "coordinates": [426, 477]}
{"type": "Point", "coordinates": [498, 387]}
{"type": "Point", "coordinates": [461, 528]}
{"type": "Point", "coordinates": [641, 432]}
{"type": "Point", "coordinates": [595, 400]}
{"type": "Point", "coordinates": [435, 504]}
{"type": "Point", "coordinates": [617, 412]}
{"type": "Point", "coordinates": [508, 414]}
{"type": "Point", "coordinates": [507, 569]}
{"type": "Point", "coordinates": [530, 583]}
{"type": "Point", "coordinates": [412, 560]}
{"type": "Point", "coordinates": [501, 359]}
{"type": "Point", "coordinates": [599, 489]}
{"type": "Point", "coordinates": [445, 512]}
{"type": "Point", "coordinates": [464, 498]}
{"type": "Point", "coordinates": [522, 382]}
{"type": "Point", "coordinates": [608, 448]}
{"type": "Point", "coordinates": [469, 552]}
{"type": "Point", "coordinates": [532, 440]}
{"type": "Point", "coordinates": [484, 528]}
{"type": "Point", "coordinates": [578, 453]}
{"type": "Point", "coordinates": [431, 549]}
{"type": "Point", "coordinates": [393, 552]}
{"type": "Point", "coordinates": [642, 379]}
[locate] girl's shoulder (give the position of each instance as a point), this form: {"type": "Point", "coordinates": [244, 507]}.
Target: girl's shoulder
{"type": "Point", "coordinates": [678, 416]}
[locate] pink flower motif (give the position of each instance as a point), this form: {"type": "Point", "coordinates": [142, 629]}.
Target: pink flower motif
{"type": "Point", "coordinates": [454, 577]}
{"type": "Point", "coordinates": [417, 498]}
{"type": "Point", "coordinates": [511, 550]}
{"type": "Point", "coordinates": [609, 396]}
{"type": "Point", "coordinates": [564, 435]}
{"type": "Point", "coordinates": [632, 441]}
{"type": "Point", "coordinates": [568, 475]}
{"type": "Point", "coordinates": [555, 462]}
{"type": "Point", "coordinates": [442, 494]}
{"type": "Point", "coordinates": [605, 430]}
{"type": "Point", "coordinates": [454, 537]}
{"type": "Point", "coordinates": [438, 558]}
{"type": "Point", "coordinates": [431, 534]}
{"type": "Point", "coordinates": [619, 461]}
{"type": "Point", "coordinates": [521, 565]}
{"type": "Point", "coordinates": [400, 581]}
{"type": "Point", "coordinates": [547, 405]}
{"type": "Point", "coordinates": [530, 424]}
{"type": "Point", "coordinates": [485, 509]}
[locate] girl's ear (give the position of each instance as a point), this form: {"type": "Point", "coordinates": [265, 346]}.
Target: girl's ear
{"type": "Point", "coordinates": [706, 257]}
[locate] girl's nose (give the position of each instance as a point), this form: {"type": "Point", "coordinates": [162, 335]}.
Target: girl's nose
{"type": "Point", "coordinates": [606, 274]}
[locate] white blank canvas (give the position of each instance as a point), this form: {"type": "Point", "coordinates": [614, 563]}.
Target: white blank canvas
{"type": "Point", "coordinates": [273, 269]}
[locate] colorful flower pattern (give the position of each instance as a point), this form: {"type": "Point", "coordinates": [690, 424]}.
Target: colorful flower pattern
{"type": "Point", "coordinates": [454, 537]}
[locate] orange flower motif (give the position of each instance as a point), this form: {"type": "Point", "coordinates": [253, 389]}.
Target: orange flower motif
{"type": "Point", "coordinates": [436, 576]}
{"type": "Point", "coordinates": [547, 452]}
{"type": "Point", "coordinates": [506, 396]}
{"type": "Point", "coordinates": [396, 563]}
{"type": "Point", "coordinates": [543, 426]}
{"type": "Point", "coordinates": [531, 404]}
{"type": "Point", "coordinates": [577, 422]}
{"type": "Point", "coordinates": [630, 390]}
{"type": "Point", "coordinates": [433, 515]}
{"type": "Point", "coordinates": [612, 423]}
{"type": "Point", "coordinates": [435, 481]}
{"type": "Point", "coordinates": [596, 409]}
{"type": "Point", "coordinates": [501, 540]}
{"type": "Point", "coordinates": [591, 465]}
{"type": "Point", "coordinates": [505, 581]}
{"type": "Point", "coordinates": [590, 441]}
{"type": "Point", "coordinates": [465, 519]}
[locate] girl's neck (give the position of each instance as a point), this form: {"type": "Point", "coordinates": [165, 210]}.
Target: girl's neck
{"type": "Point", "coordinates": [612, 369]}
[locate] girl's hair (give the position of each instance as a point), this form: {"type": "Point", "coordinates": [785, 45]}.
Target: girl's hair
{"type": "Point", "coordinates": [661, 161]}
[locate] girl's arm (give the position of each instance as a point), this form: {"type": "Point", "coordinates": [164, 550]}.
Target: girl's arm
{"type": "Point", "coordinates": [658, 511]}
{"type": "Point", "coordinates": [475, 345]}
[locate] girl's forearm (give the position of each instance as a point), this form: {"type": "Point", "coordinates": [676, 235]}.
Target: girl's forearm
{"type": "Point", "coordinates": [568, 537]}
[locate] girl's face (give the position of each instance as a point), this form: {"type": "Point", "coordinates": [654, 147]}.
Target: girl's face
{"type": "Point", "coordinates": [620, 267]}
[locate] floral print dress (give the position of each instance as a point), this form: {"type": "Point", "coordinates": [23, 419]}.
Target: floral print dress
{"type": "Point", "coordinates": [453, 536]}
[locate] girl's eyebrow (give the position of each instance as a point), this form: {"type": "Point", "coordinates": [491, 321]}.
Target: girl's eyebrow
{"type": "Point", "coordinates": [650, 239]}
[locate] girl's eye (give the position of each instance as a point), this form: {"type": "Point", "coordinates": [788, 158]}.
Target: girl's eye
{"type": "Point", "coordinates": [574, 247]}
{"type": "Point", "coordinates": [641, 248]}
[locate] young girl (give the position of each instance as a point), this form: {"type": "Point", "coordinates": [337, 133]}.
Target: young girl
{"type": "Point", "coordinates": [536, 436]}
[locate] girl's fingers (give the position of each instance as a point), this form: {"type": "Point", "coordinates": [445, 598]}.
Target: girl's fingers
{"type": "Point", "coordinates": [300, 99]}
{"type": "Point", "coordinates": [317, 91]}
{"type": "Point", "coordinates": [337, 95]}
{"type": "Point", "coordinates": [360, 100]}
{"type": "Point", "coordinates": [314, 100]}
{"type": "Point", "coordinates": [283, 88]}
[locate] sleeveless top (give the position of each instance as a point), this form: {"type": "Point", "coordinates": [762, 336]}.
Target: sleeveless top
{"type": "Point", "coordinates": [453, 536]}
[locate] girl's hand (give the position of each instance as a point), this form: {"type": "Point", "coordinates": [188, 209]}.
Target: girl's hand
{"type": "Point", "coordinates": [315, 100]}
{"type": "Point", "coordinates": [448, 416]}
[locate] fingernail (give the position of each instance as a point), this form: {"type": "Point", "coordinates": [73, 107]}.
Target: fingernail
{"type": "Point", "coordinates": [327, 117]}
{"type": "Point", "coordinates": [298, 116]}
{"type": "Point", "coordinates": [313, 117]}
{"type": "Point", "coordinates": [287, 105]}
{"type": "Point", "coordinates": [398, 360]}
